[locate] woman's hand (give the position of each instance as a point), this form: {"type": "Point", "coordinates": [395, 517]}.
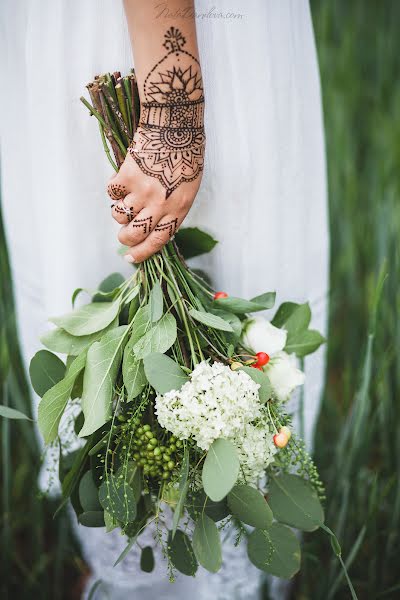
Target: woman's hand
{"type": "Point", "coordinates": [149, 219]}
{"type": "Point", "coordinates": [157, 183]}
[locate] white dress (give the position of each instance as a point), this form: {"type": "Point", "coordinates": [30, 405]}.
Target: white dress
{"type": "Point", "coordinates": [263, 193]}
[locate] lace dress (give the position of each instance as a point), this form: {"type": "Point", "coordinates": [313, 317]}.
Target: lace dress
{"type": "Point", "coordinates": [263, 194]}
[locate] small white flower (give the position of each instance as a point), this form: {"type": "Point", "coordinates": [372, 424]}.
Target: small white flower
{"type": "Point", "coordinates": [261, 336]}
{"type": "Point", "coordinates": [284, 375]}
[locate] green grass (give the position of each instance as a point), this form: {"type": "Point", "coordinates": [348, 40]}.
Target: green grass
{"type": "Point", "coordinates": [357, 445]}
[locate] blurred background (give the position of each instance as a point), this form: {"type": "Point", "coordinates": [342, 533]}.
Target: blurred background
{"type": "Point", "coordinates": [357, 445]}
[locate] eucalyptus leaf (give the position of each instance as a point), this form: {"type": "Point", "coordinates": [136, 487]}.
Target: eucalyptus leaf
{"type": "Point", "coordinates": [141, 324]}
{"type": "Point", "coordinates": [53, 403]}
{"type": "Point", "coordinates": [180, 552]}
{"type": "Point", "coordinates": [283, 313]}
{"type": "Point", "coordinates": [45, 370]}
{"type": "Point", "coordinates": [88, 494]}
{"type": "Point", "coordinates": [132, 373]}
{"type": "Point", "coordinates": [249, 505]}
{"type": "Point", "coordinates": [147, 559]}
{"type": "Point", "coordinates": [275, 551]}
{"type": "Point", "coordinates": [295, 502]}
{"type": "Point", "coordinates": [130, 473]}
{"type": "Point", "coordinates": [293, 318]}
{"type": "Point", "coordinates": [159, 338]}
{"type": "Point", "coordinates": [93, 518]}
{"type": "Point", "coordinates": [102, 365]}
{"type": "Point", "coordinates": [89, 318]}
{"type": "Point", "coordinates": [59, 340]}
{"type": "Point", "coordinates": [238, 305]}
{"type": "Point", "coordinates": [125, 551]}
{"type": "Point", "coordinates": [11, 413]}
{"type": "Point", "coordinates": [199, 502]}
{"type": "Point", "coordinates": [118, 499]}
{"type": "Point", "coordinates": [156, 302]}
{"type": "Point", "coordinates": [110, 522]}
{"type": "Point", "coordinates": [163, 373]}
{"type": "Point", "coordinates": [265, 389]}
{"type": "Point", "coordinates": [220, 469]}
{"type": "Point", "coordinates": [207, 544]}
{"type": "Point", "coordinates": [211, 320]}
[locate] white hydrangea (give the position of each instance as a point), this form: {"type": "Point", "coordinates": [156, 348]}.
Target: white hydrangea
{"type": "Point", "coordinates": [216, 403]}
{"type": "Point", "coordinates": [256, 450]}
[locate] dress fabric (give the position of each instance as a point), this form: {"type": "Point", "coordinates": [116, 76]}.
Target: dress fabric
{"type": "Point", "coordinates": [263, 194]}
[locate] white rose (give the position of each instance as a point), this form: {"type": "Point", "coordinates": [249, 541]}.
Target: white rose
{"type": "Point", "coordinates": [284, 375]}
{"type": "Point", "coordinates": [261, 336]}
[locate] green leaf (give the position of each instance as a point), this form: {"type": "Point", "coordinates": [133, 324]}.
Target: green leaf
{"type": "Point", "coordinates": [293, 317]}
{"type": "Point", "coordinates": [53, 403]}
{"type": "Point", "coordinates": [230, 318]}
{"type": "Point", "coordinates": [163, 373]}
{"type": "Point", "coordinates": [211, 320]}
{"type": "Point", "coordinates": [130, 472]}
{"type": "Point", "coordinates": [118, 499]}
{"type": "Point", "coordinates": [183, 489]}
{"type": "Point", "coordinates": [59, 340]}
{"type": "Point", "coordinates": [132, 373]}
{"type": "Point", "coordinates": [147, 559]}
{"type": "Point", "coordinates": [194, 242]}
{"type": "Point", "coordinates": [158, 338]}
{"type": "Point", "coordinates": [88, 494]}
{"type": "Point", "coordinates": [220, 469]}
{"type": "Point", "coordinates": [304, 343]}
{"type": "Point", "coordinates": [181, 553]}
{"type": "Point", "coordinates": [111, 283]}
{"type": "Point", "coordinates": [283, 313]}
{"type": "Point", "coordinates": [11, 413]}
{"type": "Point", "coordinates": [45, 370]}
{"type": "Point", "coordinates": [89, 318]}
{"type": "Point", "coordinates": [141, 324]}
{"type": "Point", "coordinates": [265, 390]}
{"type": "Point", "coordinates": [238, 305]}
{"type": "Point", "coordinates": [110, 522]}
{"type": "Point", "coordinates": [267, 300]}
{"type": "Point", "coordinates": [207, 544]}
{"type": "Point", "coordinates": [295, 502]}
{"type": "Point", "coordinates": [248, 505]}
{"type": "Point", "coordinates": [125, 551]}
{"type": "Point", "coordinates": [200, 502]}
{"type": "Point", "coordinates": [156, 302]}
{"type": "Point", "coordinates": [275, 551]}
{"type": "Point", "coordinates": [102, 366]}
{"type": "Point", "coordinates": [93, 518]}
{"type": "Point", "coordinates": [74, 474]}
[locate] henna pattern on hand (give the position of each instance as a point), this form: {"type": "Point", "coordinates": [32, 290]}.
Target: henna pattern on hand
{"type": "Point", "coordinates": [145, 223]}
{"type": "Point", "coordinates": [169, 142]}
{"type": "Point", "coordinates": [124, 210]}
{"type": "Point", "coordinates": [116, 191]}
{"type": "Point", "coordinates": [171, 226]}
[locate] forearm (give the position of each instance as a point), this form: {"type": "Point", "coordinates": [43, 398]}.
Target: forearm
{"type": "Point", "coordinates": [153, 36]}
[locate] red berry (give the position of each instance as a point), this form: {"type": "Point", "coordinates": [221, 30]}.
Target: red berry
{"type": "Point", "coordinates": [262, 358]}
{"type": "Point", "coordinates": [219, 295]}
{"type": "Point", "coordinates": [280, 440]}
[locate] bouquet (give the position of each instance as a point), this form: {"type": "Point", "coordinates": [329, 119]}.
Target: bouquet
{"type": "Point", "coordinates": [179, 397]}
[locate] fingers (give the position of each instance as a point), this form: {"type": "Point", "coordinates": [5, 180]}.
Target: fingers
{"type": "Point", "coordinates": [155, 241]}
{"type": "Point", "coordinates": [126, 209]}
{"type": "Point", "coordinates": [140, 227]}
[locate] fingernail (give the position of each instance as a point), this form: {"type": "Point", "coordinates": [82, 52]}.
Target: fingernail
{"type": "Point", "coordinates": [129, 258]}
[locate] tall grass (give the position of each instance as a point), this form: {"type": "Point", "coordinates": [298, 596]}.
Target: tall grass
{"type": "Point", "coordinates": [358, 439]}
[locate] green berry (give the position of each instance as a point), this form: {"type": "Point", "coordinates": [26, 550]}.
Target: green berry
{"type": "Point", "coordinates": [149, 447]}
{"type": "Point", "coordinates": [171, 465]}
{"type": "Point", "coordinates": [139, 431]}
{"type": "Point", "coordinates": [172, 447]}
{"type": "Point", "coordinates": [165, 475]}
{"type": "Point", "coordinates": [166, 457]}
{"type": "Point", "coordinates": [157, 451]}
{"type": "Point", "coordinates": [153, 441]}
{"type": "Point", "coordinates": [146, 427]}
{"type": "Point", "coordinates": [149, 435]}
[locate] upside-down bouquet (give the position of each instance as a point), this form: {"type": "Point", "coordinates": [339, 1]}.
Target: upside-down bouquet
{"type": "Point", "coordinates": [181, 394]}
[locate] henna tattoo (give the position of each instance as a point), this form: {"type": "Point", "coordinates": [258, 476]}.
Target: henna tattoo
{"type": "Point", "coordinates": [171, 226]}
{"type": "Point", "coordinates": [145, 223]}
{"type": "Point", "coordinates": [116, 191]}
{"type": "Point", "coordinates": [124, 210]}
{"type": "Point", "coordinates": [169, 142]}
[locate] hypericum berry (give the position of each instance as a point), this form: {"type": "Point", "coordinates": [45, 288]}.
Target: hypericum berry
{"type": "Point", "coordinates": [286, 431]}
{"type": "Point", "coordinates": [219, 295]}
{"type": "Point", "coordinates": [280, 440]}
{"type": "Point", "coordinates": [256, 366]}
{"type": "Point", "coordinates": [262, 359]}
